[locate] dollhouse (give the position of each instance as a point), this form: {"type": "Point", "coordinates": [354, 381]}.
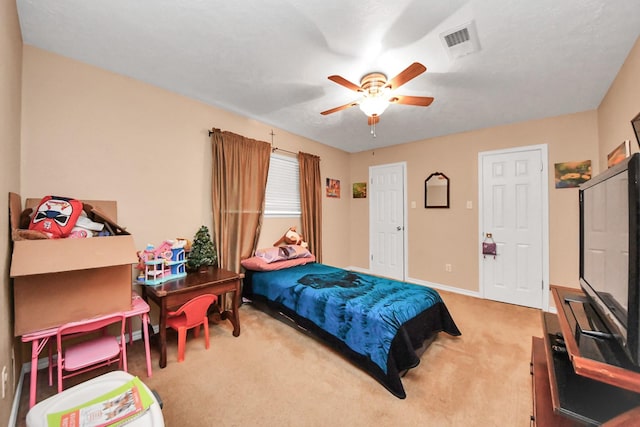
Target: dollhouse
{"type": "Point", "coordinates": [158, 265]}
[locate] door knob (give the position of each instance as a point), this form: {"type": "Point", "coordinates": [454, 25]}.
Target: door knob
{"type": "Point", "coordinates": [398, 228]}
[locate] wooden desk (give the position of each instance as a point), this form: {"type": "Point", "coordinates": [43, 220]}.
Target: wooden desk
{"type": "Point", "coordinates": [173, 293]}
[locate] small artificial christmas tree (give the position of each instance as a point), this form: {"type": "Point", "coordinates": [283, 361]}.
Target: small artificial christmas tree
{"type": "Point", "coordinates": [203, 252]}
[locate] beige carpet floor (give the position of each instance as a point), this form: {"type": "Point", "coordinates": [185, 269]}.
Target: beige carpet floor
{"type": "Point", "coordinates": [275, 375]}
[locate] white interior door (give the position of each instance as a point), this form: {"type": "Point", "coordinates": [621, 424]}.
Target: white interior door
{"type": "Point", "coordinates": [514, 206]}
{"type": "Point", "coordinates": [387, 220]}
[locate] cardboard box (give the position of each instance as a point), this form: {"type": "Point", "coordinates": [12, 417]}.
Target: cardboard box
{"type": "Point", "coordinates": [64, 280]}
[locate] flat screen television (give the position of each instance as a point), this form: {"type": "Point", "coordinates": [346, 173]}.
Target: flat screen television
{"type": "Point", "coordinates": [609, 251]}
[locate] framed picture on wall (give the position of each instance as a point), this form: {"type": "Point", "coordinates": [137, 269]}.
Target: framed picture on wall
{"type": "Point", "coordinates": [359, 190]}
{"type": "Point", "coordinates": [572, 174]}
{"type": "Point", "coordinates": [621, 152]}
{"type": "Point", "coordinates": [333, 188]}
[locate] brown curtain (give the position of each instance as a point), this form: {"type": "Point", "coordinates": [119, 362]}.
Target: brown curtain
{"type": "Point", "coordinates": [238, 181]}
{"type": "Point", "coordinates": [311, 202]}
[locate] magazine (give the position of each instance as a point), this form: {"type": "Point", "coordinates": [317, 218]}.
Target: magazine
{"type": "Point", "coordinates": [115, 408]}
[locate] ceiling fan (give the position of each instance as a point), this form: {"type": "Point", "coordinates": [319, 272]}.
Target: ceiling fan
{"type": "Point", "coordinates": [377, 92]}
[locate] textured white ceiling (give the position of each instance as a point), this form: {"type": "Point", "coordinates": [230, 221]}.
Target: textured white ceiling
{"type": "Point", "coordinates": [269, 60]}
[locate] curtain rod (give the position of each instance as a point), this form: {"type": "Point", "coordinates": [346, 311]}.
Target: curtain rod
{"type": "Point", "coordinates": [273, 149]}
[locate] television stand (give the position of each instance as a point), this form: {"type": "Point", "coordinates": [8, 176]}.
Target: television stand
{"type": "Point", "coordinates": [582, 382]}
{"type": "Point", "coordinates": [587, 323]}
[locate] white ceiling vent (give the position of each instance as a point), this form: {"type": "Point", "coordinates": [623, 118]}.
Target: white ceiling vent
{"type": "Point", "coordinates": [461, 40]}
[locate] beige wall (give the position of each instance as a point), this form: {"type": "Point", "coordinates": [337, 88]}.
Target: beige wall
{"type": "Point", "coordinates": [89, 133]}
{"type": "Point", "coordinates": [450, 236]}
{"type": "Point", "coordinates": [10, 77]}
{"type": "Point", "coordinates": [619, 106]}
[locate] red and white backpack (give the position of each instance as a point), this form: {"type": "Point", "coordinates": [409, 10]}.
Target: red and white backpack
{"type": "Point", "coordinates": [56, 216]}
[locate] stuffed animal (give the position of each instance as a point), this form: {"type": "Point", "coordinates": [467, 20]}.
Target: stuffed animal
{"type": "Point", "coordinates": [20, 234]}
{"type": "Point", "coordinates": [291, 237]}
{"type": "Point", "coordinates": [25, 219]}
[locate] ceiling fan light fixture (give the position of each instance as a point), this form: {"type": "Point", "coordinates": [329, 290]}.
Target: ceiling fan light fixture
{"type": "Point", "coordinates": [374, 105]}
{"type": "Point", "coordinates": [377, 93]}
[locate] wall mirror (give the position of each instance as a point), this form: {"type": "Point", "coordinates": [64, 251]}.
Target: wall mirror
{"type": "Point", "coordinates": [436, 191]}
{"type": "Point", "coordinates": [636, 127]}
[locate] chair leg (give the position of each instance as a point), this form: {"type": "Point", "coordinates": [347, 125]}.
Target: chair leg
{"type": "Point", "coordinates": [206, 333]}
{"type": "Point", "coordinates": [196, 331]}
{"type": "Point", "coordinates": [182, 338]}
{"type": "Point", "coordinates": [123, 354]}
{"type": "Point", "coordinates": [145, 334]}
{"type": "Point", "coordinates": [50, 363]}
{"type": "Point", "coordinates": [60, 362]}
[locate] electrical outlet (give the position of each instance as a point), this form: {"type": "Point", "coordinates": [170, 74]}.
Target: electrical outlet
{"type": "Point", "coordinates": [447, 268]}
{"type": "Point", "coordinates": [5, 378]}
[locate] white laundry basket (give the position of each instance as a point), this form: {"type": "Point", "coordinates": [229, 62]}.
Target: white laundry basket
{"type": "Point", "coordinates": [89, 390]}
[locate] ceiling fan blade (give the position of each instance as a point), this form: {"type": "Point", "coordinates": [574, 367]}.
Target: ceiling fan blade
{"type": "Point", "coordinates": [346, 83]}
{"type": "Point", "coordinates": [420, 101]}
{"type": "Point", "coordinates": [340, 108]}
{"type": "Point", "coordinates": [372, 120]}
{"type": "Point", "coordinates": [411, 72]}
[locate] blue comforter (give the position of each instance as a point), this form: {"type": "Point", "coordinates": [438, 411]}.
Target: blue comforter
{"type": "Point", "coordinates": [364, 312]}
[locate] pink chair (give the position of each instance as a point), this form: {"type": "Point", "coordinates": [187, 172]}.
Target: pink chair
{"type": "Point", "coordinates": [92, 353]}
{"type": "Point", "coordinates": [191, 314]}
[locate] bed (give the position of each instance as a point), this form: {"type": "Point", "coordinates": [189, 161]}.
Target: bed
{"type": "Point", "coordinates": [380, 325]}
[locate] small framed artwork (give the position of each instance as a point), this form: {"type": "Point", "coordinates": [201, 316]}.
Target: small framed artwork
{"type": "Point", "coordinates": [359, 190]}
{"type": "Point", "coordinates": [621, 152]}
{"type": "Point", "coordinates": [333, 188]}
{"type": "Point", "coordinates": [572, 174]}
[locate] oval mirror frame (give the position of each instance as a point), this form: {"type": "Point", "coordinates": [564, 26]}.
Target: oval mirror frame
{"type": "Point", "coordinates": [436, 191]}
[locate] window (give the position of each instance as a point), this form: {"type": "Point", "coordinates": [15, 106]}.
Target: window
{"type": "Point", "coordinates": [283, 187]}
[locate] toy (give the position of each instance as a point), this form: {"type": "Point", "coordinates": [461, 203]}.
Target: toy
{"type": "Point", "coordinates": [25, 219]}
{"type": "Point", "coordinates": [166, 262]}
{"type": "Point", "coordinates": [291, 237]}
{"type": "Point", "coordinates": [186, 243]}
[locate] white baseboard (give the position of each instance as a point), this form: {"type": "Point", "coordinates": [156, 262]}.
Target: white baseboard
{"type": "Point", "coordinates": [426, 283]}
{"type": "Point", "coordinates": [13, 418]}
{"type": "Point", "coordinates": [446, 288]}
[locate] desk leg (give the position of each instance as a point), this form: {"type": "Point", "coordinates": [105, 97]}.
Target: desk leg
{"type": "Point", "coordinates": [145, 332]}
{"type": "Point", "coordinates": [234, 317]}
{"type": "Point", "coordinates": [36, 347]}
{"type": "Point", "coordinates": [34, 373]}
{"type": "Point", "coordinates": [163, 333]}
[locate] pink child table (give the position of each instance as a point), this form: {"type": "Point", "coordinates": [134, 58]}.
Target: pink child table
{"type": "Point", "coordinates": [39, 340]}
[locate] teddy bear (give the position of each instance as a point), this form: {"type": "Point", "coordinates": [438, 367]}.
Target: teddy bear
{"type": "Point", "coordinates": [291, 237]}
